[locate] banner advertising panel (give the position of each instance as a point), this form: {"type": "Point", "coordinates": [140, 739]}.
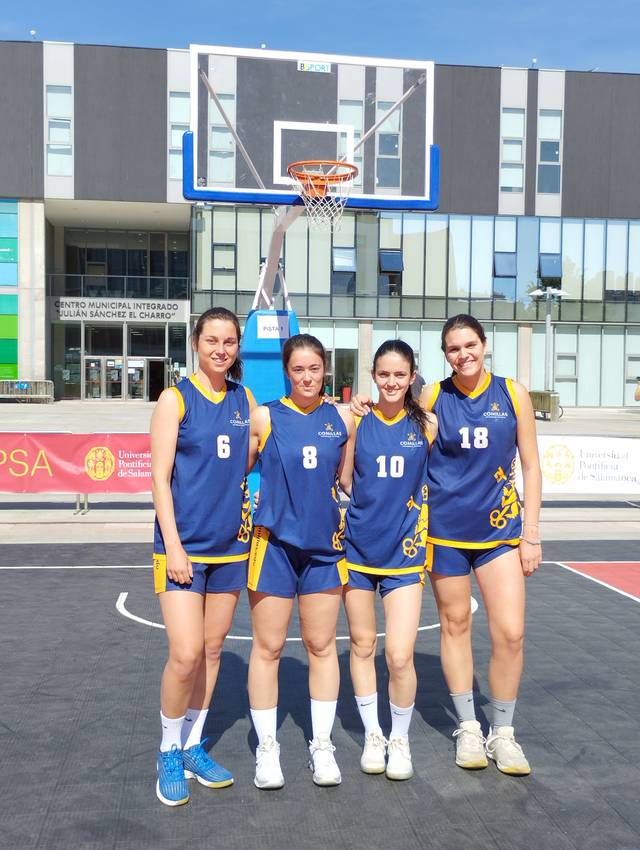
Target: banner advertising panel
{"type": "Point", "coordinates": [75, 463]}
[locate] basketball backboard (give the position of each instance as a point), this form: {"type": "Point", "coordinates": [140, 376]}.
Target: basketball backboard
{"type": "Point", "coordinates": [287, 106]}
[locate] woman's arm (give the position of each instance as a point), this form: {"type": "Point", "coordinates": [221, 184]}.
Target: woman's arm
{"type": "Point", "coordinates": [345, 468]}
{"type": "Point", "coordinates": [164, 437]}
{"type": "Point", "coordinates": [530, 547]}
{"type": "Point", "coordinates": [260, 428]}
{"type": "Point", "coordinates": [432, 425]}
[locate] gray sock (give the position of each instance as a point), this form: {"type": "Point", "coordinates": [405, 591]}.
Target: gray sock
{"type": "Point", "coordinates": [502, 712]}
{"type": "Point", "coordinates": [464, 707]}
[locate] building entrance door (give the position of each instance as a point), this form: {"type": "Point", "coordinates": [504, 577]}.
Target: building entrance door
{"type": "Point", "coordinates": [102, 378]}
{"type": "Point", "coordinates": [147, 377]}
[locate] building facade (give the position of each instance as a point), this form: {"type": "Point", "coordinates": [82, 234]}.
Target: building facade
{"type": "Point", "coordinates": [103, 264]}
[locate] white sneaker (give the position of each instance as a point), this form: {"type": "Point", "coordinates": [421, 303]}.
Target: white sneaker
{"type": "Point", "coordinates": [373, 753]}
{"type": "Point", "coordinates": [322, 761]}
{"type": "Point", "coordinates": [507, 753]}
{"type": "Point", "coordinates": [399, 764]}
{"type": "Point", "coordinates": [470, 743]}
{"type": "Point", "coordinates": [268, 771]}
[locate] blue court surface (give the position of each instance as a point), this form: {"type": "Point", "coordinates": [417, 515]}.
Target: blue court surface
{"type": "Point", "coordinates": [80, 663]}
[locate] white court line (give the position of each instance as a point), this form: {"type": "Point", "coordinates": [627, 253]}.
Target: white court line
{"type": "Point", "coordinates": [83, 567]}
{"type": "Point", "coordinates": [597, 580]}
{"type": "Point", "coordinates": [122, 609]}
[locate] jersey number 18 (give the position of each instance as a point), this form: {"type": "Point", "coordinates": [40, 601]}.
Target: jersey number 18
{"type": "Point", "coordinates": [480, 438]}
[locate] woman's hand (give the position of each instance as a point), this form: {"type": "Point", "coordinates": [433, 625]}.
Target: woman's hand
{"type": "Point", "coordinates": [530, 556]}
{"type": "Point", "coordinates": [360, 404]}
{"type": "Point", "coordinates": [179, 568]}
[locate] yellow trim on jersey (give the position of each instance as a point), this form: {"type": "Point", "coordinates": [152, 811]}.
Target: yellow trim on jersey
{"type": "Point", "coordinates": [208, 559]}
{"type": "Point", "coordinates": [512, 393]}
{"type": "Point", "coordinates": [288, 403]}
{"type": "Point", "coordinates": [358, 420]}
{"type": "Point", "coordinates": [434, 396]}
{"type": "Point", "coordinates": [429, 437]}
{"type": "Point", "coordinates": [428, 564]}
{"type": "Point", "coordinates": [380, 415]}
{"type": "Point", "coordinates": [216, 398]}
{"type": "Point", "coordinates": [250, 396]}
{"type": "Point", "coordinates": [264, 437]}
{"type": "Point", "coordinates": [159, 573]}
{"type": "Point", "coordinates": [256, 557]}
{"type": "Point", "coordinates": [380, 571]}
{"type": "Point", "coordinates": [180, 403]}
{"type": "Point", "coordinates": [472, 393]}
{"type": "Point", "coordinates": [464, 544]}
{"type": "Point", "coordinates": [343, 572]}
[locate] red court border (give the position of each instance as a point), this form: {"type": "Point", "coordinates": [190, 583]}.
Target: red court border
{"type": "Point", "coordinates": [622, 577]}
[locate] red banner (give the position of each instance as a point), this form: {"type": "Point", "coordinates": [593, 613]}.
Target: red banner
{"type": "Point", "coordinates": [75, 463]}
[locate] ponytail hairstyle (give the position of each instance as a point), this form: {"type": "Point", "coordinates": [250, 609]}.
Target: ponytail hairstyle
{"type": "Point", "coordinates": [299, 341]}
{"type": "Point", "coordinates": [411, 406]}
{"type": "Point", "coordinates": [235, 370]}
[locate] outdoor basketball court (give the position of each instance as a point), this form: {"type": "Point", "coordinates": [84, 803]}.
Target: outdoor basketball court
{"type": "Point", "coordinates": [80, 666]}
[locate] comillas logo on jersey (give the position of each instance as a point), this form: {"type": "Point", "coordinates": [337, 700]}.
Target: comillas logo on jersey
{"type": "Point", "coordinates": [237, 421]}
{"type": "Point", "coordinates": [412, 441]}
{"type": "Point", "coordinates": [328, 431]}
{"type": "Point", "coordinates": [495, 412]}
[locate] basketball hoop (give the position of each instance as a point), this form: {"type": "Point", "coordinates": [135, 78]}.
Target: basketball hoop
{"type": "Point", "coordinates": [325, 185]}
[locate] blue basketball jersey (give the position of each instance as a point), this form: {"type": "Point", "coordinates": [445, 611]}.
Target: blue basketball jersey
{"type": "Point", "coordinates": [387, 517]}
{"type": "Point", "coordinates": [299, 459]}
{"type": "Point", "coordinates": [473, 501]}
{"type": "Point", "coordinates": [210, 496]}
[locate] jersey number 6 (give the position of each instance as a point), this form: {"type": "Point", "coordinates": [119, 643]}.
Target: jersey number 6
{"type": "Point", "coordinates": [224, 449]}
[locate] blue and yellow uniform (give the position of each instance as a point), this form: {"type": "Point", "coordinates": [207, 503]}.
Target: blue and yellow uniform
{"type": "Point", "coordinates": [211, 500]}
{"type": "Point", "coordinates": [474, 507]}
{"type": "Point", "coordinates": [387, 518]}
{"type": "Point", "coordinates": [297, 539]}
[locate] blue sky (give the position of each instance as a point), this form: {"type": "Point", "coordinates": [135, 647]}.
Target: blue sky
{"type": "Point", "coordinates": [560, 34]}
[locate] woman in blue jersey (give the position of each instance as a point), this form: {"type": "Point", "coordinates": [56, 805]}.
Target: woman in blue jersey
{"type": "Point", "coordinates": [305, 448]}
{"type": "Point", "coordinates": [386, 548]}
{"type": "Point", "coordinates": [199, 438]}
{"type": "Point", "coordinates": [475, 522]}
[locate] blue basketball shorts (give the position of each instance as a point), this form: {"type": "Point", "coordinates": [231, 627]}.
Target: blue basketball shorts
{"type": "Point", "coordinates": [453, 561]}
{"type": "Point", "coordinates": [279, 569]}
{"type": "Point", "coordinates": [219, 577]}
{"type": "Point", "coordinates": [384, 583]}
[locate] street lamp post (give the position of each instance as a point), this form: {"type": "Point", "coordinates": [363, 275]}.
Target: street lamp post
{"type": "Point", "coordinates": [548, 293]}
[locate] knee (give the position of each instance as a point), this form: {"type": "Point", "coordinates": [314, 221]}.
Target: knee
{"type": "Point", "coordinates": [268, 650]}
{"type": "Point", "coordinates": [320, 647]}
{"type": "Point", "coordinates": [456, 622]}
{"type": "Point", "coordinates": [509, 639]}
{"type": "Point", "coordinates": [399, 660]}
{"type": "Point", "coordinates": [186, 662]}
{"type": "Point", "coordinates": [213, 650]}
{"type": "Point", "coordinates": [363, 647]}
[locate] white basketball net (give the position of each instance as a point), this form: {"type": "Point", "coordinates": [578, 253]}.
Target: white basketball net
{"type": "Point", "coordinates": [324, 200]}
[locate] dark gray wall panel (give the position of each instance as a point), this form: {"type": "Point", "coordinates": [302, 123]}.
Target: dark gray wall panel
{"type": "Point", "coordinates": [413, 122]}
{"type": "Point", "coordinates": [120, 124]}
{"type": "Point", "coordinates": [531, 145]}
{"type": "Point", "coordinates": [269, 91]}
{"type": "Point", "coordinates": [21, 120]}
{"type": "Point", "coordinates": [601, 177]}
{"type": "Point", "coordinates": [467, 128]}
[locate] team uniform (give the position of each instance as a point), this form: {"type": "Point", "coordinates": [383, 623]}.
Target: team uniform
{"type": "Point", "coordinates": [474, 508]}
{"type": "Point", "coordinates": [211, 501]}
{"type": "Point", "coordinates": [387, 518]}
{"type": "Point", "coordinates": [297, 541]}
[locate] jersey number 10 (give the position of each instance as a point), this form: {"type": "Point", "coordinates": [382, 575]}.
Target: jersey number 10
{"type": "Point", "coordinates": [480, 438]}
{"type": "Point", "coordinates": [396, 466]}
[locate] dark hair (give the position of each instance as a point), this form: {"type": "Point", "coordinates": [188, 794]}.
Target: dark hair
{"type": "Point", "coordinates": [300, 341]}
{"type": "Point", "coordinates": [235, 372]}
{"type": "Point", "coordinates": [411, 406]}
{"type": "Point", "coordinates": [462, 320]}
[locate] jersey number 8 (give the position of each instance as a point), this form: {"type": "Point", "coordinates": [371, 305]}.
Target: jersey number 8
{"type": "Point", "coordinates": [309, 457]}
{"type": "Point", "coordinates": [480, 438]}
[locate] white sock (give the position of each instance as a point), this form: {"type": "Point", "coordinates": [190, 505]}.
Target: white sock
{"type": "Point", "coordinates": [323, 713]}
{"type": "Point", "coordinates": [171, 727]}
{"type": "Point", "coordinates": [265, 722]}
{"type": "Point", "coordinates": [400, 720]}
{"type": "Point", "coordinates": [368, 710]}
{"type": "Point", "coordinates": [192, 727]}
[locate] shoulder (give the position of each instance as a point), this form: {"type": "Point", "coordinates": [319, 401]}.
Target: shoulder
{"type": "Point", "coordinates": [519, 396]}
{"type": "Point", "coordinates": [261, 415]}
{"type": "Point", "coordinates": [172, 400]}
{"type": "Point", "coordinates": [429, 395]}
{"type": "Point", "coordinates": [347, 417]}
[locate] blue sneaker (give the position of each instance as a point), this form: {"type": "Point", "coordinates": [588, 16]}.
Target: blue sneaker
{"type": "Point", "coordinates": [172, 788]}
{"type": "Point", "coordinates": [198, 765]}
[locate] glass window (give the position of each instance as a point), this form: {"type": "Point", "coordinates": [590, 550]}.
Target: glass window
{"type": "Point", "coordinates": [228, 102]}
{"type": "Point", "coordinates": [459, 256]}
{"type": "Point", "coordinates": [179, 107]}
{"type": "Point", "coordinates": [344, 259]}
{"type": "Point", "coordinates": [550, 235]}
{"type": "Point", "coordinates": [549, 152]}
{"type": "Point", "coordinates": [572, 258]}
{"type": "Point", "coordinates": [511, 150]}
{"type": "Point", "coordinates": [566, 365]}
{"type": "Point", "coordinates": [222, 166]}
{"type": "Point", "coordinates": [388, 172]}
{"type": "Point", "coordinates": [550, 124]}
{"type": "Point", "coordinates": [504, 288]}
{"type": "Point", "coordinates": [634, 258]}
{"type": "Point", "coordinates": [177, 346]}
{"type": "Point", "coordinates": [175, 165]}
{"type": "Point", "coordinates": [224, 257]}
{"type": "Point", "coordinates": [504, 235]}
{"type": "Point", "coordinates": [60, 132]}
{"type": "Point", "coordinates": [177, 131]}
{"type": "Point", "coordinates": [549, 179]}
{"type": "Point", "coordinates": [436, 255]}
{"type": "Point", "coordinates": [59, 160]}
{"type": "Point", "coordinates": [616, 264]}
{"type": "Point", "coordinates": [593, 260]}
{"type": "Point", "coordinates": [511, 178]}
{"type": "Point", "coordinates": [392, 124]}
{"type": "Point", "coordinates": [59, 102]}
{"type": "Point", "coordinates": [351, 112]}
{"type": "Point", "coordinates": [146, 341]}
{"type": "Point", "coordinates": [103, 339]}
{"type": "Point", "coordinates": [550, 267]}
{"type": "Point", "coordinates": [513, 123]}
{"type": "Point", "coordinates": [343, 283]}
{"type": "Point", "coordinates": [481, 257]}
{"type": "Point", "coordinates": [221, 138]}
{"type": "Point", "coordinates": [504, 265]}
{"type": "Point", "coordinates": [390, 261]}
{"type": "Point", "coordinates": [388, 144]}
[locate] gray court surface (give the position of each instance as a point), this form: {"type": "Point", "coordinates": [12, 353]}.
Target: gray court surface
{"type": "Point", "coordinates": [79, 724]}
